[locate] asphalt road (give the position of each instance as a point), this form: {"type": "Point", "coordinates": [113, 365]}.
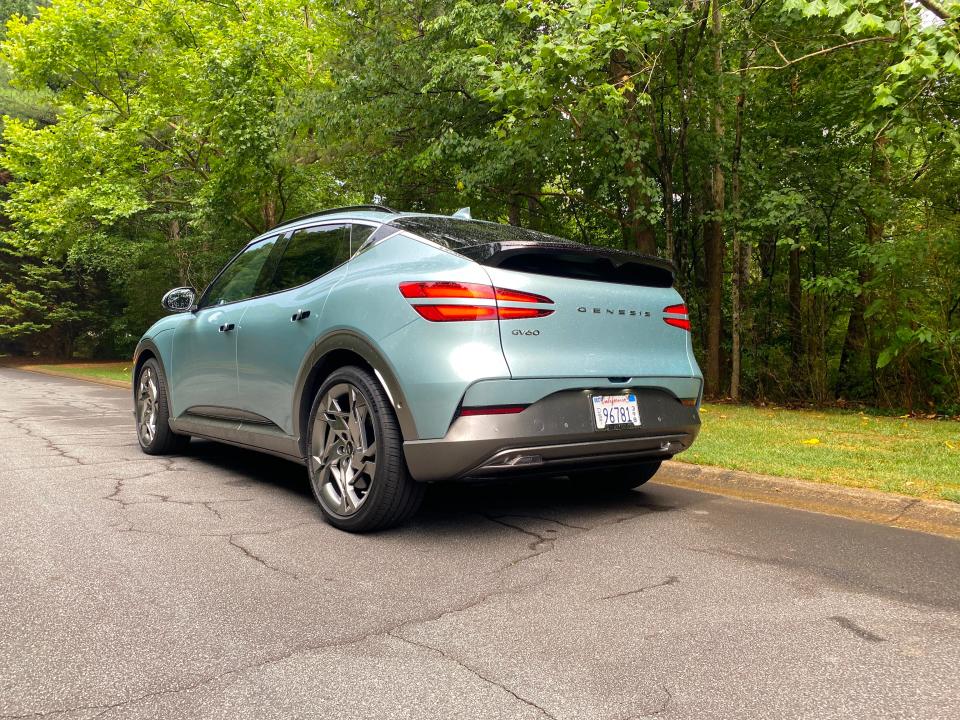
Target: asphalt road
{"type": "Point", "coordinates": [207, 586]}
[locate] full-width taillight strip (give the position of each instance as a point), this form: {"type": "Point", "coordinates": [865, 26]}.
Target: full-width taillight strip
{"type": "Point", "coordinates": [445, 290]}
{"type": "Point", "coordinates": [680, 322]}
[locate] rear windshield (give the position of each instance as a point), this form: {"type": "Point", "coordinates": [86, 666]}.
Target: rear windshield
{"type": "Point", "coordinates": [514, 248]}
{"type": "Point", "coordinates": [456, 234]}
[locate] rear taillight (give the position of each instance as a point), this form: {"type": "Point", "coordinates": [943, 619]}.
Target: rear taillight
{"type": "Point", "coordinates": [490, 309]}
{"type": "Point", "coordinates": [683, 319]}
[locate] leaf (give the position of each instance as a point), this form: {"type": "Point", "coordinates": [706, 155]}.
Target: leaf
{"type": "Point", "coordinates": [854, 23]}
{"type": "Point", "coordinates": [835, 8]}
{"type": "Point", "coordinates": [810, 441]}
{"type": "Point", "coordinates": [886, 355]}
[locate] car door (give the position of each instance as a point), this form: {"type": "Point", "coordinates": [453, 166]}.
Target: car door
{"type": "Point", "coordinates": [203, 372]}
{"type": "Point", "coordinates": [279, 329]}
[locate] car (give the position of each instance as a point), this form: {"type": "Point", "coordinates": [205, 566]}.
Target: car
{"type": "Point", "coordinates": [386, 351]}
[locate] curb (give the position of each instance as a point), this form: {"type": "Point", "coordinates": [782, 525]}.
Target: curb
{"type": "Point", "coordinates": [900, 511]}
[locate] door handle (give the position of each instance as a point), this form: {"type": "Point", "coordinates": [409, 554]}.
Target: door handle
{"type": "Point", "coordinates": [226, 328]}
{"type": "Point", "coordinates": [300, 315]}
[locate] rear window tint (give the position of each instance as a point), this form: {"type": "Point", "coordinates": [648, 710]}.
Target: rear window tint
{"type": "Point", "coordinates": [456, 234]}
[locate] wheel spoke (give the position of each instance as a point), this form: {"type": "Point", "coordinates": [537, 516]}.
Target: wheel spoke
{"type": "Point", "coordinates": [343, 442]}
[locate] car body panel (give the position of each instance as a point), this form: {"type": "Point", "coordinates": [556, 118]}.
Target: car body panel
{"type": "Point", "coordinates": [271, 346]}
{"type": "Point", "coordinates": [527, 391]}
{"type": "Point", "coordinates": [617, 330]}
{"type": "Point", "coordinates": [435, 362]}
{"type": "Point", "coordinates": [203, 370]}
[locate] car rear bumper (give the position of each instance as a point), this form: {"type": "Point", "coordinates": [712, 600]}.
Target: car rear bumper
{"type": "Point", "coordinates": [553, 434]}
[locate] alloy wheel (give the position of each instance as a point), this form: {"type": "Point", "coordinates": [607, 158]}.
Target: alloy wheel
{"type": "Point", "coordinates": [148, 396]}
{"type": "Point", "coordinates": [344, 442]}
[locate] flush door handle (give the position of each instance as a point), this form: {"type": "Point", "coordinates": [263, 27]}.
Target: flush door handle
{"type": "Point", "coordinates": [227, 327]}
{"type": "Point", "coordinates": [300, 315]}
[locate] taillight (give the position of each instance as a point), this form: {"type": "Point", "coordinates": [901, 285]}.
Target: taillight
{"type": "Point", "coordinates": [454, 313]}
{"type": "Point", "coordinates": [680, 322]}
{"type": "Point", "coordinates": [493, 310]}
{"type": "Point", "coordinates": [438, 290]}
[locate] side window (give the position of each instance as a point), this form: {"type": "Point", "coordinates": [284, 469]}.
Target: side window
{"type": "Point", "coordinates": [310, 253]}
{"type": "Point", "coordinates": [238, 280]}
{"type": "Point", "coordinates": [358, 236]}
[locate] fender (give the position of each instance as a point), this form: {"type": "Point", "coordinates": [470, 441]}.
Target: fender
{"type": "Point", "coordinates": [354, 342]}
{"type": "Point", "coordinates": [145, 344]}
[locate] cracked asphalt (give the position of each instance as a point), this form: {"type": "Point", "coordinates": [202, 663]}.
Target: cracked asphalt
{"type": "Point", "coordinates": [207, 586]}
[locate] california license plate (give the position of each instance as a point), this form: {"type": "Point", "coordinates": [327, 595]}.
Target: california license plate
{"type": "Point", "coordinates": [612, 411]}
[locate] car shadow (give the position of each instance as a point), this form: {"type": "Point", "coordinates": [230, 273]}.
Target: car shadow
{"type": "Point", "coordinates": [519, 496]}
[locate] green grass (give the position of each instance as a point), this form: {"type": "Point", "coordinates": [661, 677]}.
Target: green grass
{"type": "Point", "coordinates": [905, 455]}
{"type": "Point", "coordinates": [119, 371]}
{"type": "Point", "coordinates": [897, 454]}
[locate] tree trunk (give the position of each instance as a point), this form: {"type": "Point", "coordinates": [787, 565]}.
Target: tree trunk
{"type": "Point", "coordinates": [796, 318]}
{"type": "Point", "coordinates": [741, 256]}
{"type": "Point", "coordinates": [637, 233]}
{"type": "Point", "coordinates": [513, 211]}
{"type": "Point", "coordinates": [858, 357]}
{"type": "Point", "coordinates": [714, 240]}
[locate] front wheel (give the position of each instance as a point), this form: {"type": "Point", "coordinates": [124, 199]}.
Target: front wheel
{"type": "Point", "coordinates": [355, 455]}
{"type": "Point", "coordinates": [153, 413]}
{"type": "Point", "coordinates": [622, 478]}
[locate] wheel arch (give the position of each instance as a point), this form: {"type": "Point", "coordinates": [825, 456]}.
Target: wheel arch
{"type": "Point", "coordinates": [339, 349]}
{"type": "Point", "coordinates": [145, 350]}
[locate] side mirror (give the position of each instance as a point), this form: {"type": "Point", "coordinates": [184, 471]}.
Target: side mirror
{"type": "Point", "coordinates": [179, 299]}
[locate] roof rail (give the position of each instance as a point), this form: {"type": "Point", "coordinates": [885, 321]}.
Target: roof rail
{"type": "Point", "coordinates": [333, 211]}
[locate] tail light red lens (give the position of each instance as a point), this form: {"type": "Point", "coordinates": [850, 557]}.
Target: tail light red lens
{"type": "Point", "coordinates": [504, 295]}
{"type": "Point", "coordinates": [492, 410]}
{"type": "Point", "coordinates": [443, 290]}
{"type": "Point", "coordinates": [455, 313]}
{"type": "Point", "coordinates": [446, 290]}
{"type": "Point", "coordinates": [680, 322]}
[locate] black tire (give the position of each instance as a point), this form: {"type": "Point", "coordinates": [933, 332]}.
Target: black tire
{"type": "Point", "coordinates": [338, 455]}
{"type": "Point", "coordinates": [618, 479]}
{"type": "Point", "coordinates": [152, 412]}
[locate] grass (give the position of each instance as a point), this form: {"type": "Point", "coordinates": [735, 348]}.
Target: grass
{"type": "Point", "coordinates": [897, 454]}
{"type": "Point", "coordinates": [843, 447]}
{"type": "Point", "coordinates": [116, 371]}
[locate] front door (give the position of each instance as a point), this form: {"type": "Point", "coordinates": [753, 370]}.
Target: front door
{"type": "Point", "coordinates": [203, 375]}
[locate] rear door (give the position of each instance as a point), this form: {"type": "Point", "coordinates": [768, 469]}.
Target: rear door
{"type": "Point", "coordinates": [278, 329]}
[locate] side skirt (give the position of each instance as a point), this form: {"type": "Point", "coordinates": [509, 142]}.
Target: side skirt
{"type": "Point", "coordinates": [248, 434]}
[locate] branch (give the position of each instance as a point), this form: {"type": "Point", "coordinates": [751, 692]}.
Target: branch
{"type": "Point", "coordinates": [824, 51]}
{"type": "Point", "coordinates": [935, 9]}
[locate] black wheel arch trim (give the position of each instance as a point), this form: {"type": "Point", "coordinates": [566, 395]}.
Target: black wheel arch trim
{"type": "Point", "coordinates": [142, 346]}
{"type": "Point", "coordinates": [362, 346]}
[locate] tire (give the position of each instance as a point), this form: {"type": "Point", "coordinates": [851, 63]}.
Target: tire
{"type": "Point", "coordinates": [153, 413]}
{"type": "Point", "coordinates": [352, 425]}
{"type": "Point", "coordinates": [618, 479]}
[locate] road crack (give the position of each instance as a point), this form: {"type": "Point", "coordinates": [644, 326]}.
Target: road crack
{"type": "Point", "coordinates": [476, 673]}
{"type": "Point", "coordinates": [670, 580]}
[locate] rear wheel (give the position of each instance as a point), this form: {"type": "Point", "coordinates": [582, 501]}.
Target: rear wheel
{"type": "Point", "coordinates": [623, 478]}
{"type": "Point", "coordinates": [355, 455]}
{"type": "Point", "coordinates": [153, 413]}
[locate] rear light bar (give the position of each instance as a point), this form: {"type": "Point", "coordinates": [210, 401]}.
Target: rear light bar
{"type": "Point", "coordinates": [443, 290]}
{"type": "Point", "coordinates": [492, 410]}
{"type": "Point", "coordinates": [680, 322]}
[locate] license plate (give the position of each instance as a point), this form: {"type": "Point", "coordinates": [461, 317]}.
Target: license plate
{"type": "Point", "coordinates": [612, 411]}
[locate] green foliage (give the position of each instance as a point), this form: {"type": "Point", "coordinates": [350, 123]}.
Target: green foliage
{"type": "Point", "coordinates": [144, 142]}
